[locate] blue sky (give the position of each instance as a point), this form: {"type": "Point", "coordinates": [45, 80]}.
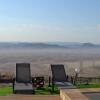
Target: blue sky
{"type": "Point", "coordinates": [50, 20]}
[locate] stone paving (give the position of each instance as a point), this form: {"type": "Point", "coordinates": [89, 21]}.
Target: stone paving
{"type": "Point", "coordinates": [65, 94]}
{"type": "Point", "coordinates": [30, 97]}
{"type": "Point", "coordinates": [76, 94]}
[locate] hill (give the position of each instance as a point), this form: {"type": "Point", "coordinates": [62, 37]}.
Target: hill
{"type": "Point", "coordinates": [48, 45]}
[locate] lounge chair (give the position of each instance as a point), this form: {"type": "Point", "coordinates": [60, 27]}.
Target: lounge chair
{"type": "Point", "coordinates": [23, 81]}
{"type": "Point", "coordinates": [59, 77]}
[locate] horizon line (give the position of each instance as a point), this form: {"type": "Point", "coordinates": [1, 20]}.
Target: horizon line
{"type": "Point", "coordinates": [44, 42]}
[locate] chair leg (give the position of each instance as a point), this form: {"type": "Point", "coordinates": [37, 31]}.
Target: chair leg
{"type": "Point", "coordinates": [14, 92]}
{"type": "Point", "coordinates": [13, 84]}
{"type": "Point", "coordinates": [33, 92]}
{"type": "Point", "coordinates": [49, 82]}
{"type": "Point", "coordinates": [13, 88]}
{"type": "Point", "coordinates": [52, 86]}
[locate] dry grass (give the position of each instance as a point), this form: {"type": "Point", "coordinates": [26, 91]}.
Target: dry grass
{"type": "Point", "coordinates": [41, 59]}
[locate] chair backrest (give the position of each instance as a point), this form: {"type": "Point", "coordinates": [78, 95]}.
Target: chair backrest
{"type": "Point", "coordinates": [23, 73]}
{"type": "Point", "coordinates": [58, 73]}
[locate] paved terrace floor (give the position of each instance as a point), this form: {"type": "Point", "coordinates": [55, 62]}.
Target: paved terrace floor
{"type": "Point", "coordinates": [76, 94]}
{"type": "Point", "coordinates": [30, 97]}
{"type": "Point", "coordinates": [66, 94]}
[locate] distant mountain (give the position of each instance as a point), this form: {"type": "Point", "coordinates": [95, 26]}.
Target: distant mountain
{"type": "Point", "coordinates": [75, 44]}
{"type": "Point", "coordinates": [48, 45]}
{"type": "Point", "coordinates": [26, 44]}
{"type": "Point", "coordinates": [90, 45]}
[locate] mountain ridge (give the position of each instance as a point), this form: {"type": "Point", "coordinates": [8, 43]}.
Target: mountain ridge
{"type": "Point", "coordinates": [48, 44]}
